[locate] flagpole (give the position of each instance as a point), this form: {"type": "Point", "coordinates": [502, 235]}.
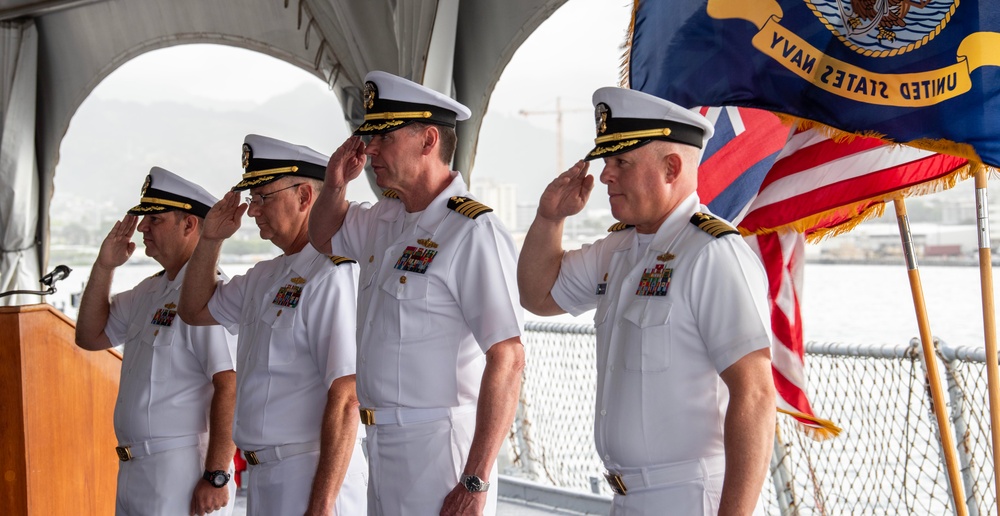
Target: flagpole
{"type": "Point", "coordinates": [989, 321]}
{"type": "Point", "coordinates": [931, 364]}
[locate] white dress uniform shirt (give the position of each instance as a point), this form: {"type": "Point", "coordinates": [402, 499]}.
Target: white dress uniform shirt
{"type": "Point", "coordinates": [669, 320]}
{"type": "Point", "coordinates": [295, 316]}
{"type": "Point", "coordinates": [437, 289]}
{"type": "Point", "coordinates": [423, 333]}
{"type": "Point", "coordinates": [165, 392]}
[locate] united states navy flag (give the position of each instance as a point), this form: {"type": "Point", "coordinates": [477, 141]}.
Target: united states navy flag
{"type": "Point", "coordinates": [922, 72]}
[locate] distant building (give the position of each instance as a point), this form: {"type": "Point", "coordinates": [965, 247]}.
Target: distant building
{"type": "Point", "coordinates": [502, 197]}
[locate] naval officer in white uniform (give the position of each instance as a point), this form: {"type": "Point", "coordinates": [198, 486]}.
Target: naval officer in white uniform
{"type": "Point", "coordinates": [685, 408]}
{"type": "Point", "coordinates": [296, 407]}
{"type": "Point", "coordinates": [439, 325]}
{"type": "Point", "coordinates": [174, 413]}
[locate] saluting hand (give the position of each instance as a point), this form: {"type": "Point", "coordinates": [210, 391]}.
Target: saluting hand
{"type": "Point", "coordinates": [223, 219]}
{"type": "Point", "coordinates": [567, 194]}
{"type": "Point", "coordinates": [118, 246]}
{"type": "Point", "coordinates": [346, 163]}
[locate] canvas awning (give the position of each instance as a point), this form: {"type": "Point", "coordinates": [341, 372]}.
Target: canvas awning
{"type": "Point", "coordinates": [55, 52]}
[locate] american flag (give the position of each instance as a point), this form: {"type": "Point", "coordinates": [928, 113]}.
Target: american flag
{"type": "Point", "coordinates": [746, 144]}
{"type": "Point", "coordinates": [778, 187]}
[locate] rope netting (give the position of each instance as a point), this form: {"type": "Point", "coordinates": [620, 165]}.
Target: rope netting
{"type": "Point", "coordinates": [887, 460]}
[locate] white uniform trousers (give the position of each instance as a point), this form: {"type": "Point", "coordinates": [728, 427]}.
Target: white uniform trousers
{"type": "Point", "coordinates": [162, 484]}
{"type": "Point", "coordinates": [692, 488]}
{"type": "Point", "coordinates": [414, 466]}
{"type": "Point", "coordinates": [282, 487]}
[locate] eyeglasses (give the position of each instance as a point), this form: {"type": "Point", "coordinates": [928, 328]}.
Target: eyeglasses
{"type": "Point", "coordinates": [259, 199]}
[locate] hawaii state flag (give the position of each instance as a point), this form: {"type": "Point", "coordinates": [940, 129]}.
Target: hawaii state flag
{"type": "Point", "coordinates": [921, 72]}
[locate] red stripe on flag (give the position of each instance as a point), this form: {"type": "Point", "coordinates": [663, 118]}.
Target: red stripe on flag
{"type": "Point", "coordinates": [807, 199]}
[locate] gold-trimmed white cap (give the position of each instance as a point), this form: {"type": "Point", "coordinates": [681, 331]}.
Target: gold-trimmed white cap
{"type": "Point", "coordinates": [165, 191]}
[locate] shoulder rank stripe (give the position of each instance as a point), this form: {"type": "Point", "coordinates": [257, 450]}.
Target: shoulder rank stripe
{"type": "Point", "coordinates": [338, 260]}
{"type": "Point", "coordinates": [468, 207]}
{"type": "Point", "coordinates": [390, 193]}
{"type": "Point", "coordinates": [619, 226]}
{"type": "Point", "coordinates": [158, 274]}
{"type": "Point", "coordinates": [712, 225]}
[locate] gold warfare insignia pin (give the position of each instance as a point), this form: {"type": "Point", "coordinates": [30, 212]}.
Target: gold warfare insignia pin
{"type": "Point", "coordinates": [601, 113]}
{"type": "Point", "coordinates": [665, 257]}
{"type": "Point", "coordinates": [146, 185]}
{"type": "Point", "coordinates": [371, 91]}
{"type": "Point", "coordinates": [170, 306]}
{"type": "Point", "coordinates": [298, 281]}
{"type": "Point", "coordinates": [426, 242]}
{"type": "Point", "coordinates": [247, 155]}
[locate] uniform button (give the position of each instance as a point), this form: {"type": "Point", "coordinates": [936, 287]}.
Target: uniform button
{"type": "Point", "coordinates": [607, 457]}
{"type": "Point", "coordinates": [402, 279]}
{"type": "Point", "coordinates": [279, 313]}
{"type": "Point", "coordinates": [604, 412]}
{"type": "Point", "coordinates": [371, 258]}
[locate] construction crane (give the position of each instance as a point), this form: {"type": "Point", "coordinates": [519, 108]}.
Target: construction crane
{"type": "Point", "coordinates": [558, 111]}
{"type": "Point", "coordinates": [560, 166]}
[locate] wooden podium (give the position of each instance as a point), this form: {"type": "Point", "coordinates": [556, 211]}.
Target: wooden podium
{"type": "Point", "coordinates": [57, 440]}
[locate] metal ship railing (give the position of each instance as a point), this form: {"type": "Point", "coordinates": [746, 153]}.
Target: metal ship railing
{"type": "Point", "coordinates": [886, 461]}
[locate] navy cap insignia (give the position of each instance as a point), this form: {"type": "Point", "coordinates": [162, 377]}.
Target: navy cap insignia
{"type": "Point", "coordinates": [468, 207]}
{"type": "Point", "coordinates": [146, 185]}
{"type": "Point", "coordinates": [371, 91]}
{"type": "Point", "coordinates": [247, 155]}
{"type": "Point", "coordinates": [601, 114]}
{"type": "Point", "coordinates": [712, 225]}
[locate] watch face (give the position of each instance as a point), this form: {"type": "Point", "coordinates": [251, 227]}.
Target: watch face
{"type": "Point", "coordinates": [473, 484]}
{"type": "Point", "coordinates": [217, 478]}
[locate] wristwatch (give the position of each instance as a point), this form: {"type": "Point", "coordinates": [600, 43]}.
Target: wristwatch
{"type": "Point", "coordinates": [217, 478]}
{"type": "Point", "coordinates": [474, 484]}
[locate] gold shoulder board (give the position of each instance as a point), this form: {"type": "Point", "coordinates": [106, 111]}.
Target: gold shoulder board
{"type": "Point", "coordinates": [468, 207]}
{"type": "Point", "coordinates": [618, 226]}
{"type": "Point", "coordinates": [158, 274]}
{"type": "Point", "coordinates": [389, 193]}
{"type": "Point", "coordinates": [712, 225]}
{"type": "Point", "coordinates": [337, 260]}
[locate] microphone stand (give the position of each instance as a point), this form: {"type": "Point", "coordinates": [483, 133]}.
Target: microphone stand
{"type": "Point", "coordinates": [49, 280]}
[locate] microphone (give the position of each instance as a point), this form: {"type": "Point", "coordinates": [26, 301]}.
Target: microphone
{"type": "Point", "coordinates": [60, 272]}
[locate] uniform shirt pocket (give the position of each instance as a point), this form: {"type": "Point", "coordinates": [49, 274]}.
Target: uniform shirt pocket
{"type": "Point", "coordinates": [281, 349]}
{"type": "Point", "coordinates": [161, 339]}
{"type": "Point", "coordinates": [647, 341]}
{"type": "Point", "coordinates": [410, 294]}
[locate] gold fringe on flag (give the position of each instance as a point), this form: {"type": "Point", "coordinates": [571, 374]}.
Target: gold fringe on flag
{"type": "Point", "coordinates": [624, 61]}
{"type": "Point", "coordinates": [816, 428]}
{"type": "Point", "coordinates": [870, 208]}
